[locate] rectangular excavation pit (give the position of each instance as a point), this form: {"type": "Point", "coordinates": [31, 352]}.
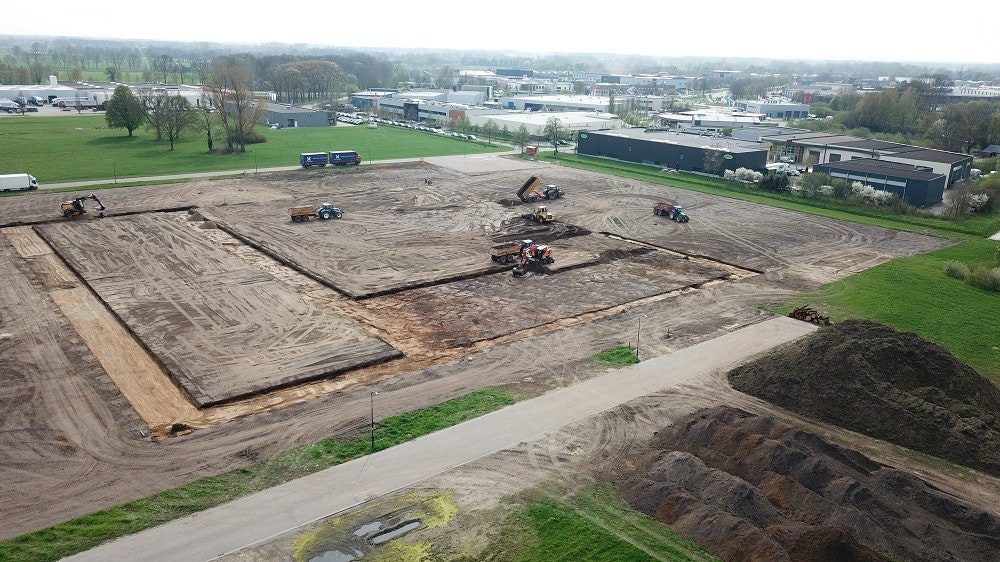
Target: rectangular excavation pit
{"type": "Point", "coordinates": [372, 252]}
{"type": "Point", "coordinates": [493, 306]}
{"type": "Point", "coordinates": [221, 328]}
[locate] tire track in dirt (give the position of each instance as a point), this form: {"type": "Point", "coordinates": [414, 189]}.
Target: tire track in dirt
{"type": "Point", "coordinates": [139, 377]}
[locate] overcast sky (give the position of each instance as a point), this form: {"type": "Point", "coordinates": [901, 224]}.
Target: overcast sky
{"type": "Point", "coordinates": [872, 30]}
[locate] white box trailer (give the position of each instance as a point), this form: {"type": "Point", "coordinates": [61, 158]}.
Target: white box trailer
{"type": "Point", "coordinates": [17, 182]}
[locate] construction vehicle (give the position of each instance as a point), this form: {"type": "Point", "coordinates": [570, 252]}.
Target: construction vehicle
{"type": "Point", "coordinates": [550, 192]}
{"type": "Point", "coordinates": [506, 252]}
{"type": "Point", "coordinates": [671, 211]}
{"type": "Point", "coordinates": [323, 212]}
{"type": "Point", "coordinates": [533, 257]}
{"type": "Point", "coordinates": [540, 214]}
{"type": "Point", "coordinates": [529, 191]}
{"type": "Point", "coordinates": [77, 207]}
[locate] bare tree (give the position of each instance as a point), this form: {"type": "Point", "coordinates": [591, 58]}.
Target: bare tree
{"type": "Point", "coordinates": [178, 116]}
{"type": "Point", "coordinates": [232, 96]}
{"type": "Point", "coordinates": [155, 101]}
{"type": "Point", "coordinates": [553, 132]}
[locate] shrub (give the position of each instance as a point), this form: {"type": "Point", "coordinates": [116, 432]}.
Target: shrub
{"type": "Point", "coordinates": [869, 194]}
{"type": "Point", "coordinates": [743, 174]}
{"type": "Point", "coordinates": [985, 278]}
{"type": "Point", "coordinates": [956, 269]}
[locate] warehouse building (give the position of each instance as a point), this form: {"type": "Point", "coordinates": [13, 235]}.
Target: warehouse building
{"type": "Point", "coordinates": [680, 151]}
{"type": "Point", "coordinates": [916, 185]}
{"type": "Point", "coordinates": [534, 121]}
{"type": "Point", "coordinates": [812, 148]}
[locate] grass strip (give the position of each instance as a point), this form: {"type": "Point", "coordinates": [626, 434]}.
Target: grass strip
{"type": "Point", "coordinates": [593, 525]}
{"type": "Point", "coordinates": [86, 532]}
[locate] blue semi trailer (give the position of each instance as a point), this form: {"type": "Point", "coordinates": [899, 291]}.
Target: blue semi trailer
{"type": "Point", "coordinates": [314, 159]}
{"type": "Point", "coordinates": [344, 157]}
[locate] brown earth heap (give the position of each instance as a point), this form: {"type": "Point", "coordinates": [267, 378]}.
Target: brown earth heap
{"type": "Point", "coordinates": [752, 488]}
{"type": "Point", "coordinates": [894, 386]}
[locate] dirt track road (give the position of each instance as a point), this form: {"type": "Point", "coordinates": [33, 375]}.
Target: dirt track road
{"type": "Point", "coordinates": [248, 521]}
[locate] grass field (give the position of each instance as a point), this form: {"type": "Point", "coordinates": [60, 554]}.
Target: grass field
{"type": "Point", "coordinates": [81, 147]}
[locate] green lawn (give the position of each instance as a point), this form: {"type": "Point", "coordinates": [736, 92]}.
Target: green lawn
{"type": "Point", "coordinates": [81, 147]}
{"type": "Point", "coordinates": [593, 525]}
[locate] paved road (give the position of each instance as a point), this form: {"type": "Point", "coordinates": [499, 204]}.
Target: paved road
{"type": "Point", "coordinates": [258, 517]}
{"type": "Point", "coordinates": [174, 177]}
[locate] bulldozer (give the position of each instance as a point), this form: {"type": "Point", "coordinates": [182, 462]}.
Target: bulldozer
{"type": "Point", "coordinates": [77, 207]}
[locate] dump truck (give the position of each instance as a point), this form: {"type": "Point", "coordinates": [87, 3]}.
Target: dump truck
{"type": "Point", "coordinates": [507, 252]}
{"type": "Point", "coordinates": [323, 212]}
{"type": "Point", "coordinates": [529, 191]}
{"type": "Point", "coordinates": [540, 214]}
{"type": "Point", "coordinates": [671, 211]}
{"type": "Point", "coordinates": [526, 191]}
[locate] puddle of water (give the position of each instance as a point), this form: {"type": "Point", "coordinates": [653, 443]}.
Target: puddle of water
{"type": "Point", "coordinates": [399, 531]}
{"type": "Point", "coordinates": [368, 528]}
{"type": "Point", "coordinates": [336, 556]}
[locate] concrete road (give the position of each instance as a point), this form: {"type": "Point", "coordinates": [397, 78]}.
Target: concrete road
{"type": "Point", "coordinates": [472, 162]}
{"type": "Point", "coordinates": [255, 518]}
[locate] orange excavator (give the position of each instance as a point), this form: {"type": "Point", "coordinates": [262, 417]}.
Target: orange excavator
{"type": "Point", "coordinates": [76, 207]}
{"type": "Point", "coordinates": [533, 256]}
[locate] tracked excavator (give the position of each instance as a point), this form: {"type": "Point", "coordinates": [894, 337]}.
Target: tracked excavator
{"type": "Point", "coordinates": [533, 257]}
{"type": "Point", "coordinates": [77, 206]}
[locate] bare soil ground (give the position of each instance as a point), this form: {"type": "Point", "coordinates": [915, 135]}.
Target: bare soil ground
{"type": "Point", "coordinates": [182, 335]}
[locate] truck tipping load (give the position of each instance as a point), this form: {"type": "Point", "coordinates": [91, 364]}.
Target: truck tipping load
{"type": "Point", "coordinates": [527, 189]}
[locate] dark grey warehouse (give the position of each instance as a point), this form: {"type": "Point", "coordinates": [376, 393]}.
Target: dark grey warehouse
{"type": "Point", "coordinates": [681, 151]}
{"type": "Point", "coordinates": [917, 186]}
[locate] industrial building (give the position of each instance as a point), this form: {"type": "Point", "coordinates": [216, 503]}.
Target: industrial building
{"type": "Point", "coordinates": [775, 109]}
{"type": "Point", "coordinates": [534, 121]}
{"type": "Point", "coordinates": [915, 185]}
{"type": "Point", "coordinates": [918, 171]}
{"type": "Point", "coordinates": [289, 115]}
{"type": "Point", "coordinates": [705, 121]}
{"type": "Point", "coordinates": [667, 149]}
{"type": "Point", "coordinates": [811, 148]}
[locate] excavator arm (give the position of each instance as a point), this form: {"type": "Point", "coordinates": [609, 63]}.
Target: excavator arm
{"type": "Point", "coordinates": [77, 206]}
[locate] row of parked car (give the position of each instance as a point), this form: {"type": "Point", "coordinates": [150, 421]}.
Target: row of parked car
{"type": "Point", "coordinates": [372, 121]}
{"type": "Point", "coordinates": [349, 118]}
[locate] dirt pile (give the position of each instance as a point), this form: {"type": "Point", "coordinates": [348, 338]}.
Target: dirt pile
{"type": "Point", "coordinates": [895, 386]}
{"type": "Point", "coordinates": [748, 487]}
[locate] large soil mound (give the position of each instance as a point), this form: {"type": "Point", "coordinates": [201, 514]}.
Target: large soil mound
{"type": "Point", "coordinates": [890, 385]}
{"type": "Point", "coordinates": [750, 488]}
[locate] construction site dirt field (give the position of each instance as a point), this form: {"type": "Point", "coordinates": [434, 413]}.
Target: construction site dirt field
{"type": "Point", "coordinates": [195, 328]}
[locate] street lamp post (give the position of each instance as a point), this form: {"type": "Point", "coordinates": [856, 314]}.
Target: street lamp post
{"type": "Point", "coordinates": [372, 397]}
{"type": "Point", "coordinates": [638, 331]}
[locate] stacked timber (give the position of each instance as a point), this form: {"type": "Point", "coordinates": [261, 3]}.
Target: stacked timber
{"type": "Point", "coordinates": [807, 314]}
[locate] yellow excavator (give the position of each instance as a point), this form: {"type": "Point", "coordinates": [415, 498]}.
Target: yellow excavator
{"type": "Point", "coordinates": [77, 206]}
